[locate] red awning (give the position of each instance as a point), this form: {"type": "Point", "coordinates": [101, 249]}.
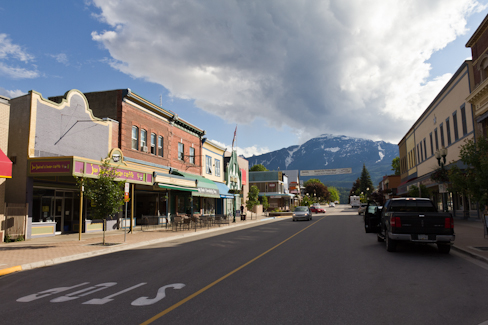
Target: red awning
{"type": "Point", "coordinates": [5, 166]}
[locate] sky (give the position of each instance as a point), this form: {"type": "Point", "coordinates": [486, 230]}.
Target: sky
{"type": "Point", "coordinates": [281, 72]}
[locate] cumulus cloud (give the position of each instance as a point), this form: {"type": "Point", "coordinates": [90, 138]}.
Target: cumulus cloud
{"type": "Point", "coordinates": [61, 58]}
{"type": "Point", "coordinates": [11, 93]}
{"type": "Point", "coordinates": [246, 152]}
{"type": "Point", "coordinates": [10, 53]}
{"type": "Point", "coordinates": [338, 66]}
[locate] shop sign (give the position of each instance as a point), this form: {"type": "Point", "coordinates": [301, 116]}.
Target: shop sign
{"type": "Point", "coordinates": [272, 185]}
{"type": "Point", "coordinates": [207, 190]}
{"type": "Point", "coordinates": [94, 169]}
{"type": "Point", "coordinates": [319, 172]}
{"type": "Point", "coordinates": [41, 167]}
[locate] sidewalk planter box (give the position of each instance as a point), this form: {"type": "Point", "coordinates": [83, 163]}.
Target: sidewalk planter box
{"type": "Point", "coordinates": [125, 223]}
{"type": "Point", "coordinates": [277, 214]}
{"type": "Point", "coordinates": [93, 226]}
{"type": "Point", "coordinates": [43, 229]}
{"type": "Point", "coordinates": [112, 225]}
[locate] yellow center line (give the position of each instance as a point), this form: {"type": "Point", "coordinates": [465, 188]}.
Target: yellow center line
{"type": "Point", "coordinates": [164, 312]}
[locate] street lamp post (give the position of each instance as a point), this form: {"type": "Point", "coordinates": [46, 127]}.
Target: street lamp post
{"type": "Point", "coordinates": [441, 161]}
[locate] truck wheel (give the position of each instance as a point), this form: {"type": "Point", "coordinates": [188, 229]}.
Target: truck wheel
{"type": "Point", "coordinates": [444, 248]}
{"type": "Point", "coordinates": [390, 243]}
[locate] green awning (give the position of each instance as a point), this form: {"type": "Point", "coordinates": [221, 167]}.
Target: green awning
{"type": "Point", "coordinates": [205, 187]}
{"type": "Point", "coordinates": [176, 187]}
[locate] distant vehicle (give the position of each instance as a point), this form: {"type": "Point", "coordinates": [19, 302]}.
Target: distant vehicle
{"type": "Point", "coordinates": [316, 208]}
{"type": "Point", "coordinates": [331, 204]}
{"type": "Point", "coordinates": [303, 213]}
{"type": "Point", "coordinates": [362, 208]}
{"type": "Point", "coordinates": [354, 201]}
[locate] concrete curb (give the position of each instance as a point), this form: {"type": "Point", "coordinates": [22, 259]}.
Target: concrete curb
{"type": "Point", "coordinates": [122, 247]}
{"type": "Point", "coordinates": [470, 254]}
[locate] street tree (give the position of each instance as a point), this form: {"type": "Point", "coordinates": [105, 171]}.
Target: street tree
{"type": "Point", "coordinates": [258, 168]}
{"type": "Point", "coordinates": [317, 190]}
{"type": "Point", "coordinates": [252, 198]}
{"type": "Point", "coordinates": [366, 185]}
{"type": "Point", "coordinates": [355, 188]}
{"type": "Point", "coordinates": [473, 179]}
{"type": "Point", "coordinates": [312, 181]}
{"type": "Point", "coordinates": [334, 193]}
{"type": "Point", "coordinates": [106, 194]}
{"type": "Point", "coordinates": [395, 165]}
{"type": "Point", "coordinates": [414, 191]}
{"type": "Point", "coordinates": [265, 203]}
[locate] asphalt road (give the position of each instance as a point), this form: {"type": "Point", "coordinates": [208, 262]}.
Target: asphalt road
{"type": "Point", "coordinates": [324, 271]}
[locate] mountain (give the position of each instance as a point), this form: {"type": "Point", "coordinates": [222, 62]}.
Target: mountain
{"type": "Point", "coordinates": [329, 152]}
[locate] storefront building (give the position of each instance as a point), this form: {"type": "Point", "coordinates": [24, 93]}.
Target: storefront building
{"type": "Point", "coordinates": [445, 124]}
{"type": "Point", "coordinates": [233, 180]}
{"type": "Point", "coordinates": [274, 185]}
{"type": "Point", "coordinates": [5, 163]}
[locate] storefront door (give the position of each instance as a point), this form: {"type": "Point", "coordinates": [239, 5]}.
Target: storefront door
{"type": "Point", "coordinates": [58, 214]}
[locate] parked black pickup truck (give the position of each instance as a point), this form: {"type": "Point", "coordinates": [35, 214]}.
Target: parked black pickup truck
{"type": "Point", "coordinates": [410, 219]}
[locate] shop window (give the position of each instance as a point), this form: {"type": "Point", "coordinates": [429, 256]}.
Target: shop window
{"type": "Point", "coordinates": [181, 151]}
{"type": "Point", "coordinates": [208, 165]}
{"type": "Point", "coordinates": [192, 155]}
{"type": "Point", "coordinates": [135, 137]}
{"type": "Point", "coordinates": [217, 167]}
{"type": "Point", "coordinates": [455, 126]}
{"type": "Point", "coordinates": [143, 140]}
{"type": "Point", "coordinates": [160, 146]}
{"type": "Point", "coordinates": [153, 143]}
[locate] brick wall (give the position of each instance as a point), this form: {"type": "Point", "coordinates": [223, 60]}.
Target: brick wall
{"type": "Point", "coordinates": [132, 116]}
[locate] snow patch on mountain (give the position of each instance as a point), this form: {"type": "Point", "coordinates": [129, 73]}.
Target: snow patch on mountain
{"type": "Point", "coordinates": [335, 149]}
{"type": "Point", "coordinates": [381, 153]}
{"type": "Point", "coordinates": [289, 159]}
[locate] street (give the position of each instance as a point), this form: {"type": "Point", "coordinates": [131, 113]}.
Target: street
{"type": "Point", "coordinates": [324, 271]}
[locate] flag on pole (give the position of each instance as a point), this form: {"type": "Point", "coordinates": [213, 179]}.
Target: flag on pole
{"type": "Point", "coordinates": [234, 140]}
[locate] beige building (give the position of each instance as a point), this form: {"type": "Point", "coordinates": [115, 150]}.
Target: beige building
{"type": "Point", "coordinates": [5, 163]}
{"type": "Point", "coordinates": [213, 161]}
{"type": "Point", "coordinates": [446, 123]}
{"type": "Point", "coordinates": [479, 95]}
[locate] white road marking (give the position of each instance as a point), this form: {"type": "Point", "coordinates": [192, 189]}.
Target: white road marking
{"type": "Point", "coordinates": [49, 292]}
{"type": "Point", "coordinates": [102, 301]}
{"type": "Point", "coordinates": [145, 301]}
{"type": "Point", "coordinates": [82, 293]}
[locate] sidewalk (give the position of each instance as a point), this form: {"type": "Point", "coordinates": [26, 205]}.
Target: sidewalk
{"type": "Point", "coordinates": [40, 252]}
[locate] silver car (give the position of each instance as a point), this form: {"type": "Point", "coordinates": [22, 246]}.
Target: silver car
{"type": "Point", "coordinates": [302, 213]}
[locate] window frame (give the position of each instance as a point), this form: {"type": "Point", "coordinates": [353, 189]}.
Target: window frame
{"type": "Point", "coordinates": [153, 143]}
{"type": "Point", "coordinates": [208, 164]}
{"type": "Point", "coordinates": [217, 167]}
{"type": "Point", "coordinates": [192, 155]}
{"type": "Point", "coordinates": [463, 120]}
{"type": "Point", "coordinates": [436, 139]}
{"type": "Point", "coordinates": [455, 125]}
{"type": "Point", "coordinates": [448, 131]}
{"type": "Point", "coordinates": [135, 140]}
{"type": "Point", "coordinates": [431, 145]}
{"type": "Point", "coordinates": [160, 146]}
{"type": "Point", "coordinates": [441, 131]}
{"type": "Point", "coordinates": [181, 151]}
{"type": "Point", "coordinates": [143, 139]}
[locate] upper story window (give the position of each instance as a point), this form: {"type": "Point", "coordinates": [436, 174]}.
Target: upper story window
{"type": "Point", "coordinates": [160, 146]}
{"type": "Point", "coordinates": [208, 165]}
{"type": "Point", "coordinates": [153, 143]}
{"type": "Point", "coordinates": [455, 126]}
{"type": "Point", "coordinates": [463, 120]}
{"type": "Point", "coordinates": [135, 137]}
{"type": "Point", "coordinates": [143, 140]}
{"type": "Point", "coordinates": [181, 151]}
{"type": "Point", "coordinates": [192, 155]}
{"type": "Point", "coordinates": [217, 167]}
{"type": "Point", "coordinates": [425, 149]}
{"type": "Point", "coordinates": [441, 128]}
{"type": "Point", "coordinates": [436, 140]}
{"type": "Point", "coordinates": [448, 131]}
{"type": "Point", "coordinates": [431, 145]}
